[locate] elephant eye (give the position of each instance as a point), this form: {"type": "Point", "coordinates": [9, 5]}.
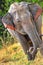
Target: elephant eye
{"type": "Point", "coordinates": [14, 14]}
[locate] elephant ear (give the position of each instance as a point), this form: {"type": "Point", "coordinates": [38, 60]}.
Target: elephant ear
{"type": "Point", "coordinates": [7, 21]}
{"type": "Point", "coordinates": [36, 11]}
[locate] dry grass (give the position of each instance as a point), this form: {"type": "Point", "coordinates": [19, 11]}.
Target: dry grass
{"type": "Point", "coordinates": [15, 56]}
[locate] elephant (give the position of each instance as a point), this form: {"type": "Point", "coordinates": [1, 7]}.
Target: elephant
{"type": "Point", "coordinates": [21, 17]}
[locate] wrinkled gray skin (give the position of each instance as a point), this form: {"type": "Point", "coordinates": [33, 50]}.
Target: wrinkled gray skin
{"type": "Point", "coordinates": [24, 24]}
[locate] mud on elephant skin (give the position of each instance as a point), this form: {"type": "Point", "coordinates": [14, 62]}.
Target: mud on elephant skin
{"type": "Point", "coordinates": [27, 31]}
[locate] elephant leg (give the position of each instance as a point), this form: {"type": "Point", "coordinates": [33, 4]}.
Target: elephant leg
{"type": "Point", "coordinates": [41, 48]}
{"type": "Point", "coordinates": [38, 26]}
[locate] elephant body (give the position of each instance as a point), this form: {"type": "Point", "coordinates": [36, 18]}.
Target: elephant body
{"type": "Point", "coordinates": [27, 30]}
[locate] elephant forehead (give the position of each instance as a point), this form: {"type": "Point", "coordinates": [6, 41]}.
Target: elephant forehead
{"type": "Point", "coordinates": [17, 7]}
{"type": "Point", "coordinates": [13, 7]}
